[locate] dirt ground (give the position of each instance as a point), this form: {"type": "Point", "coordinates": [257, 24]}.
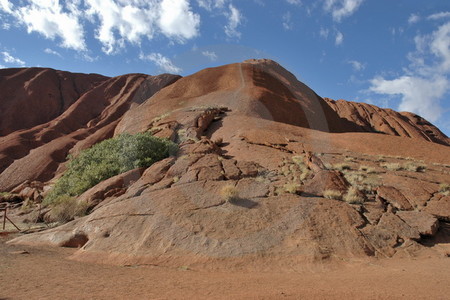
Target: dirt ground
{"type": "Point", "coordinates": [47, 273]}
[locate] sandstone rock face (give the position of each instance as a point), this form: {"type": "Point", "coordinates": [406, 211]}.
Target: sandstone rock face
{"type": "Point", "coordinates": [257, 150]}
{"type": "Point", "coordinates": [38, 153]}
{"type": "Point", "coordinates": [374, 119]}
{"type": "Point", "coordinates": [34, 96]}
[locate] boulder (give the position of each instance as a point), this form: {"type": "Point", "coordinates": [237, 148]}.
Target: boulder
{"type": "Point", "coordinates": [394, 197]}
{"type": "Point", "coordinates": [424, 222]}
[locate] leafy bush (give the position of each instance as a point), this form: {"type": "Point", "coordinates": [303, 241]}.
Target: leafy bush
{"type": "Point", "coordinates": [109, 158]}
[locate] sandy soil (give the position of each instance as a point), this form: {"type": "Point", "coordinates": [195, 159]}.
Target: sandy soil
{"type": "Point", "coordinates": [46, 273]}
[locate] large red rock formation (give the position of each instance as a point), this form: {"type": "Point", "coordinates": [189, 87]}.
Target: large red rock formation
{"type": "Point", "coordinates": [82, 120]}
{"type": "Point", "coordinates": [267, 171]}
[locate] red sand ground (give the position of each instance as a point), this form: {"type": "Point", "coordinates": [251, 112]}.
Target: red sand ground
{"type": "Point", "coordinates": [46, 273]}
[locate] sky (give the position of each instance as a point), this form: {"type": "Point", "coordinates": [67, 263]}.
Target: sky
{"type": "Point", "coordinates": [390, 53]}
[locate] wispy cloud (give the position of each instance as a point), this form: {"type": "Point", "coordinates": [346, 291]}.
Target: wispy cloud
{"type": "Point", "coordinates": [9, 59]}
{"type": "Point", "coordinates": [234, 20]}
{"type": "Point", "coordinates": [341, 9]}
{"type": "Point", "coordinates": [413, 18]}
{"type": "Point", "coordinates": [211, 55]}
{"type": "Point", "coordinates": [52, 52]}
{"type": "Point", "coordinates": [294, 2]}
{"type": "Point", "coordinates": [339, 38]}
{"type": "Point", "coordinates": [161, 61]}
{"type": "Point", "coordinates": [356, 65]}
{"type": "Point", "coordinates": [287, 21]}
{"type": "Point", "coordinates": [440, 15]}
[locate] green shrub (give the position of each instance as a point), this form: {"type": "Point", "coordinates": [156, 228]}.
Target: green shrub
{"type": "Point", "coordinates": [109, 158]}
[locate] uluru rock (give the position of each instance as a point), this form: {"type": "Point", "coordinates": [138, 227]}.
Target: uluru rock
{"type": "Point", "coordinates": [251, 131]}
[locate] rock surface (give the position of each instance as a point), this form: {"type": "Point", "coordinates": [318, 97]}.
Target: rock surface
{"type": "Point", "coordinates": [257, 150]}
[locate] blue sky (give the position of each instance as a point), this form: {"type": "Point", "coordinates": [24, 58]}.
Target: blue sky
{"type": "Point", "coordinates": [391, 53]}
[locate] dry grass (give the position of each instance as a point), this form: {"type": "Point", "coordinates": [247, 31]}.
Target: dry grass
{"type": "Point", "coordinates": [342, 166]}
{"type": "Point", "coordinates": [392, 166]}
{"type": "Point", "coordinates": [444, 188]}
{"type": "Point", "coordinates": [332, 194]}
{"type": "Point", "coordinates": [413, 167]}
{"type": "Point", "coordinates": [291, 187]}
{"type": "Point", "coordinates": [68, 208]}
{"type": "Point", "coordinates": [229, 193]}
{"type": "Point", "coordinates": [367, 169]}
{"type": "Point", "coordinates": [353, 196]}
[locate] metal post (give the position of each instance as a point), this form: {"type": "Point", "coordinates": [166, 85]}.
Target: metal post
{"type": "Point", "coordinates": [4, 218]}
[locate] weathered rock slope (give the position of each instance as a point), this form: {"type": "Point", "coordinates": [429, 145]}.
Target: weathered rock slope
{"type": "Point", "coordinates": [371, 118]}
{"type": "Point", "coordinates": [310, 182]}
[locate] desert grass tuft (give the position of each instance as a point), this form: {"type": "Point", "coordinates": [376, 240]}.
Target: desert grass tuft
{"type": "Point", "coordinates": [332, 194]}
{"type": "Point", "coordinates": [229, 193]}
{"type": "Point", "coordinates": [353, 196]}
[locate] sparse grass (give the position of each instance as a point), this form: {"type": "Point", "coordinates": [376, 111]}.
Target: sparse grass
{"type": "Point", "coordinates": [67, 208]}
{"type": "Point", "coordinates": [409, 166]}
{"type": "Point", "coordinates": [353, 196]}
{"type": "Point", "coordinates": [380, 158]}
{"type": "Point", "coordinates": [444, 188]}
{"type": "Point", "coordinates": [160, 117]}
{"type": "Point", "coordinates": [413, 167]}
{"type": "Point", "coordinates": [342, 166]}
{"type": "Point", "coordinates": [392, 166]}
{"type": "Point", "coordinates": [229, 193]}
{"type": "Point", "coordinates": [298, 159]}
{"type": "Point", "coordinates": [332, 194]}
{"type": "Point", "coordinates": [291, 187]}
{"type": "Point", "coordinates": [367, 169]}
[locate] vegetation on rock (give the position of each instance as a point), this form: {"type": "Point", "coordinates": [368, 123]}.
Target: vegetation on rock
{"type": "Point", "coordinates": [107, 159]}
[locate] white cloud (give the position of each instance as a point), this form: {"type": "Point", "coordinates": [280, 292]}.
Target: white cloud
{"type": "Point", "coordinates": [211, 55]}
{"type": "Point", "coordinates": [177, 20]}
{"type": "Point", "coordinates": [339, 38]}
{"type": "Point", "coordinates": [413, 18]}
{"type": "Point", "coordinates": [161, 61]}
{"type": "Point", "coordinates": [356, 65]}
{"type": "Point", "coordinates": [120, 22]}
{"type": "Point", "coordinates": [49, 19]}
{"type": "Point", "coordinates": [287, 22]}
{"type": "Point", "coordinates": [340, 9]}
{"type": "Point", "coordinates": [9, 59]}
{"type": "Point", "coordinates": [425, 83]}
{"type": "Point", "coordinates": [234, 19]}
{"type": "Point", "coordinates": [53, 52]}
{"type": "Point", "coordinates": [6, 6]}
{"type": "Point", "coordinates": [116, 22]}
{"type": "Point", "coordinates": [420, 95]}
{"type": "Point", "coordinates": [440, 15]}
